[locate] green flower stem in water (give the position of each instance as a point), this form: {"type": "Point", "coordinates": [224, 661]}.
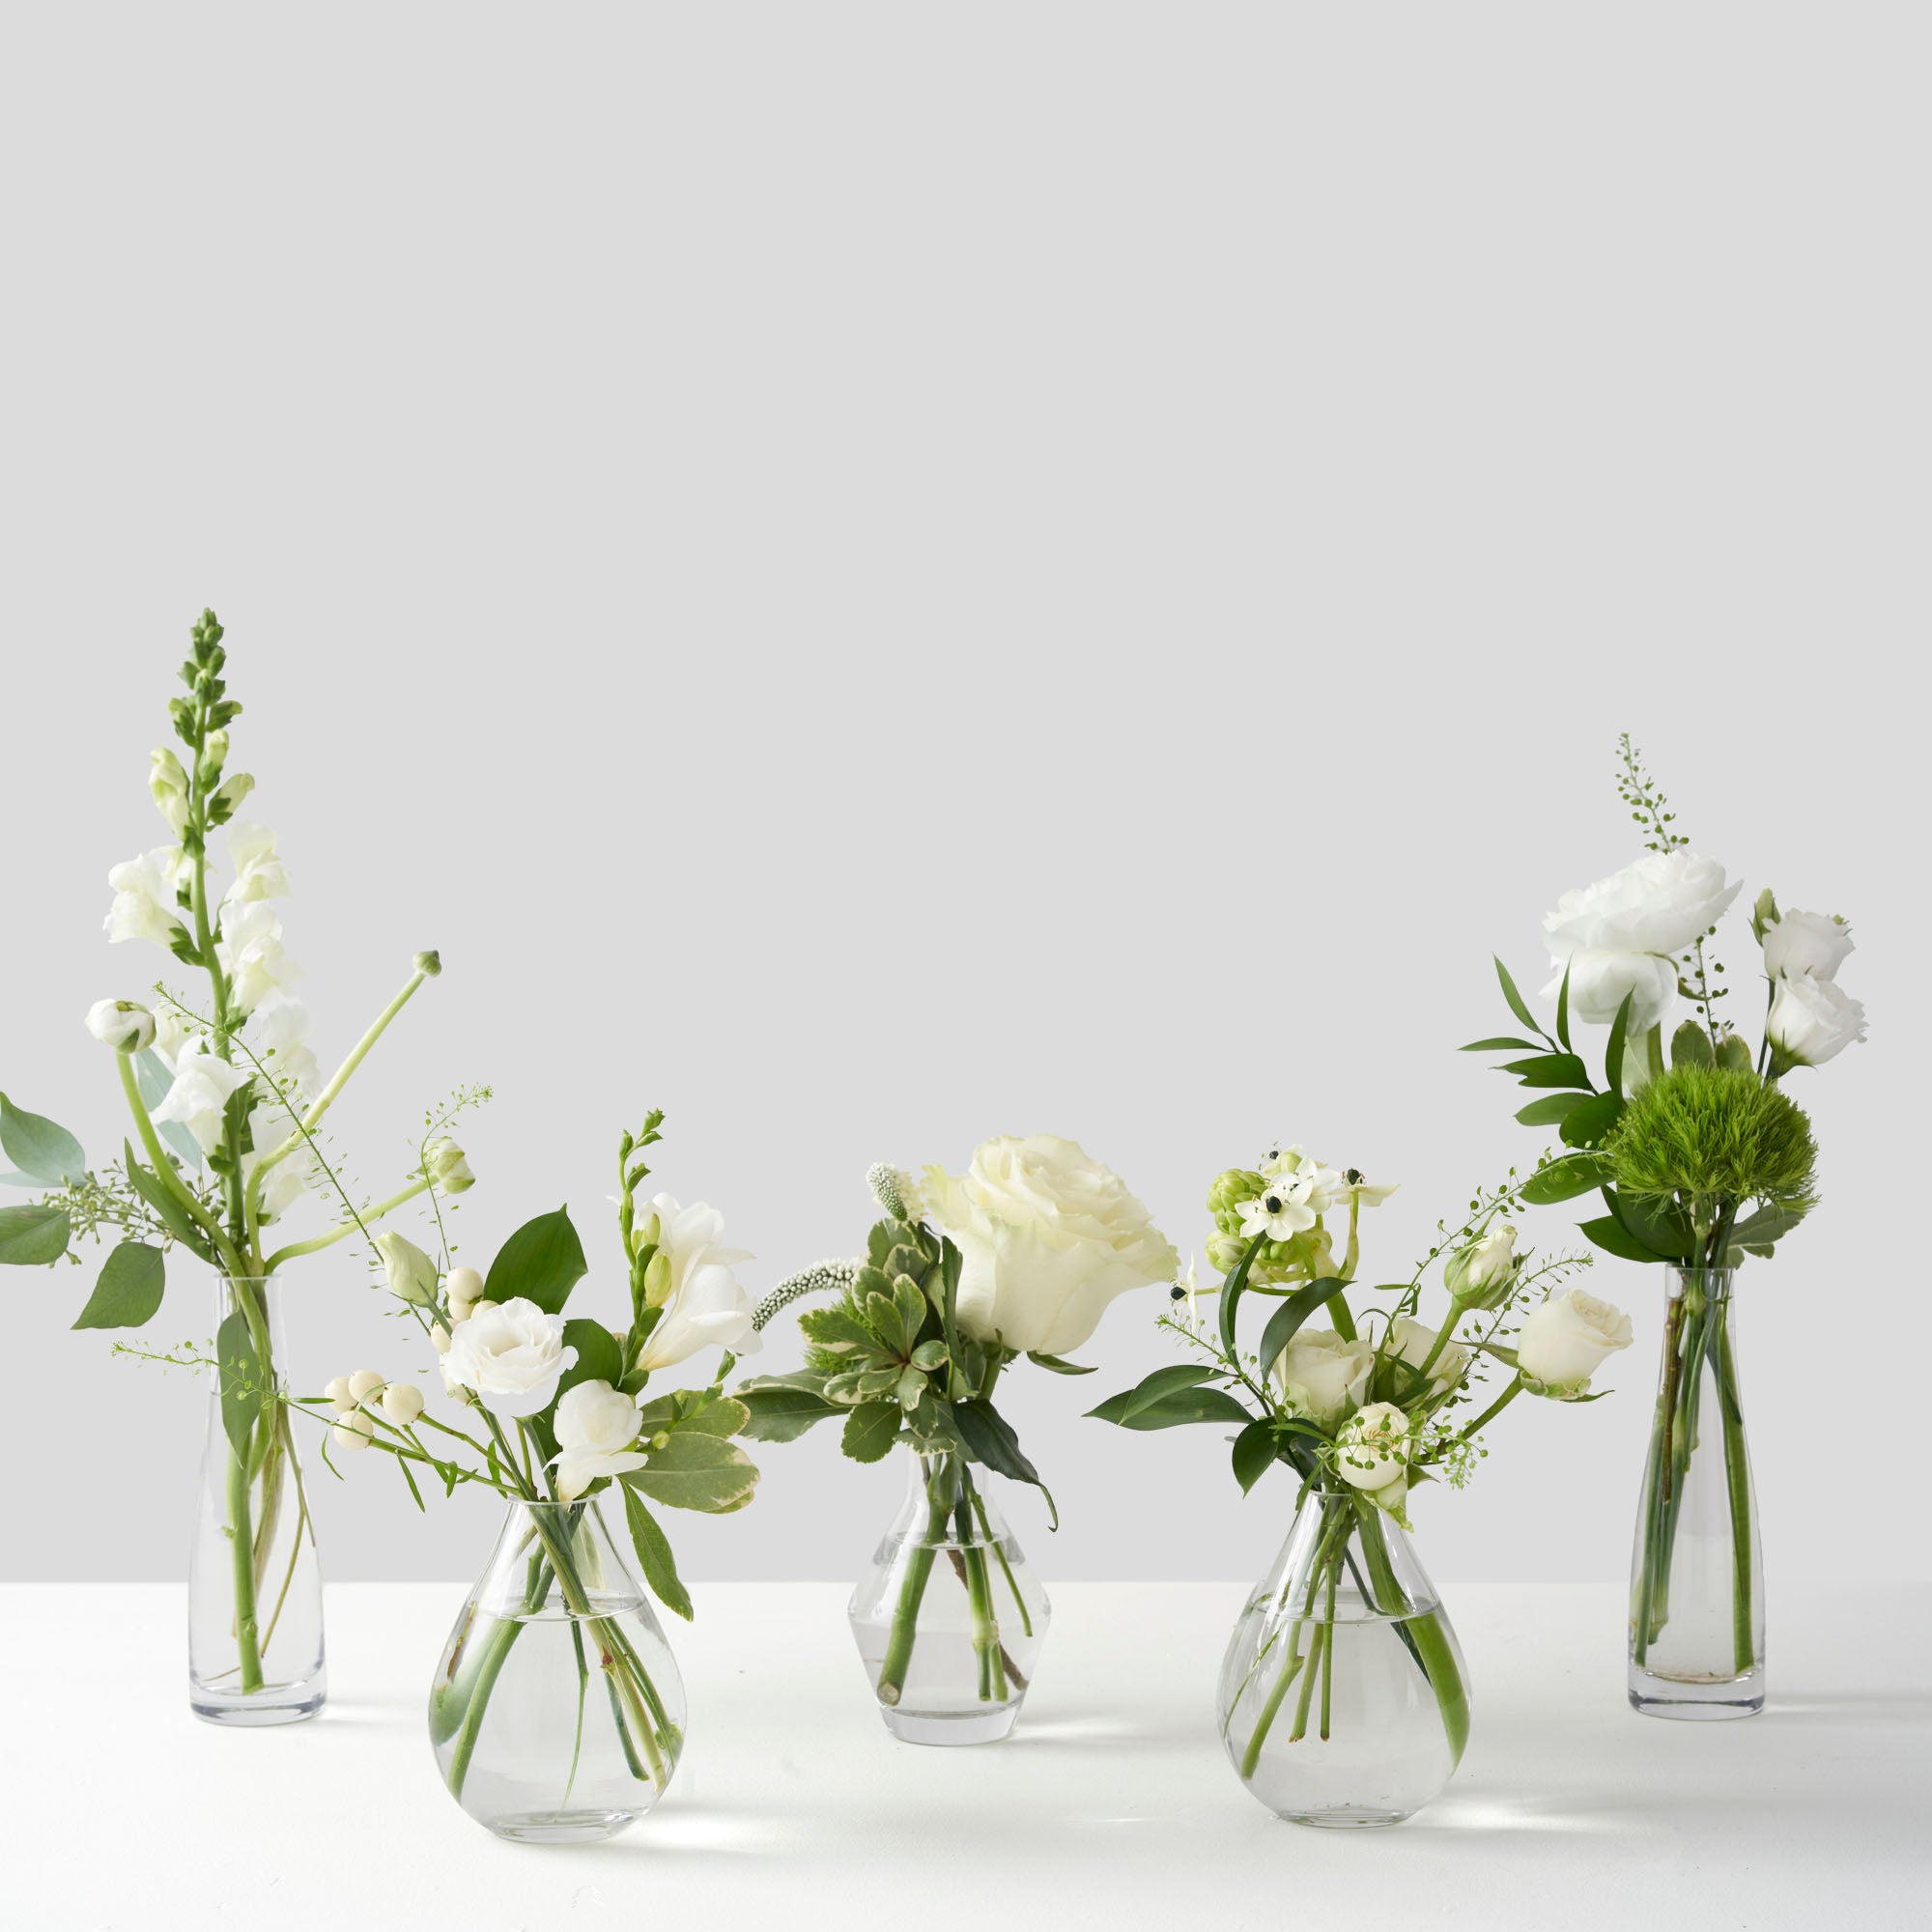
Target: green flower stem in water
{"type": "Point", "coordinates": [1737, 1480]}
{"type": "Point", "coordinates": [912, 1591]}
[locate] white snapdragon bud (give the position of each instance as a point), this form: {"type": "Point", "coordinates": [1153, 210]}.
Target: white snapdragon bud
{"type": "Point", "coordinates": [228, 801]}
{"type": "Point", "coordinates": [402, 1403]}
{"type": "Point", "coordinates": [448, 1166]}
{"type": "Point", "coordinates": [337, 1392]}
{"type": "Point", "coordinates": [168, 783]}
{"type": "Point", "coordinates": [464, 1289]}
{"type": "Point", "coordinates": [1482, 1274]}
{"type": "Point", "coordinates": [124, 1025]}
{"type": "Point", "coordinates": [363, 1383]}
{"type": "Point", "coordinates": [354, 1431]}
{"type": "Point", "coordinates": [412, 1273]}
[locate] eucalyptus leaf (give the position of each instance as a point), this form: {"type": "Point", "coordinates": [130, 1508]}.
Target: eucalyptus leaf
{"type": "Point", "coordinates": [241, 1374]}
{"type": "Point", "coordinates": [31, 1237]}
{"type": "Point", "coordinates": [1691, 1046]}
{"type": "Point", "coordinates": [129, 1289]}
{"type": "Point", "coordinates": [36, 1146]}
{"type": "Point", "coordinates": [542, 1261]}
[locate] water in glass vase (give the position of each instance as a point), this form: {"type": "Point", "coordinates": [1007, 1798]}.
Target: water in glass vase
{"type": "Point", "coordinates": [1342, 1697]}
{"type": "Point", "coordinates": [949, 1617]}
{"type": "Point", "coordinates": [556, 1714]}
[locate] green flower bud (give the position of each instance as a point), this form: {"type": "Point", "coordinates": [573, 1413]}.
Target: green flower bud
{"type": "Point", "coordinates": [429, 964]}
{"type": "Point", "coordinates": [1232, 1187]}
{"type": "Point", "coordinates": [449, 1165]}
{"type": "Point", "coordinates": [1482, 1274]}
{"type": "Point", "coordinates": [657, 1279]}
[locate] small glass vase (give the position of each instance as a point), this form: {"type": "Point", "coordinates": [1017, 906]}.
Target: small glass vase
{"type": "Point", "coordinates": [255, 1651]}
{"type": "Point", "coordinates": [1697, 1639]}
{"type": "Point", "coordinates": [949, 1618]}
{"type": "Point", "coordinates": [1342, 1697]}
{"type": "Point", "coordinates": [557, 1711]}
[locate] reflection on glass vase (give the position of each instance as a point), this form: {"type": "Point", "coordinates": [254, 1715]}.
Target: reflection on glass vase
{"type": "Point", "coordinates": [950, 1617]}
{"type": "Point", "coordinates": [1696, 1644]}
{"type": "Point", "coordinates": [255, 1651]}
{"type": "Point", "coordinates": [1342, 1698]}
{"type": "Point", "coordinates": [557, 1713]}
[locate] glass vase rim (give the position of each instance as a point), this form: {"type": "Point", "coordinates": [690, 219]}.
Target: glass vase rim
{"type": "Point", "coordinates": [552, 1503]}
{"type": "Point", "coordinates": [1698, 1271]}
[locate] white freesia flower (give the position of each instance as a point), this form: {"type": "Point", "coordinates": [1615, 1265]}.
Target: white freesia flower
{"type": "Point", "coordinates": [168, 784]}
{"type": "Point", "coordinates": [258, 871]}
{"type": "Point", "coordinates": [1565, 1342]}
{"type": "Point", "coordinates": [1324, 1375]}
{"type": "Point", "coordinates": [510, 1356]}
{"type": "Point", "coordinates": [143, 897]}
{"type": "Point", "coordinates": [1049, 1236]}
{"type": "Point", "coordinates": [412, 1273]}
{"type": "Point", "coordinates": [596, 1428]}
{"type": "Point", "coordinates": [202, 1084]}
{"type": "Point", "coordinates": [1482, 1274]}
{"type": "Point", "coordinates": [1372, 1450]}
{"type": "Point", "coordinates": [704, 1306]}
{"type": "Point", "coordinates": [1806, 945]}
{"type": "Point", "coordinates": [1813, 1021]}
{"type": "Point", "coordinates": [251, 953]}
{"type": "Point", "coordinates": [125, 1025]}
{"type": "Point", "coordinates": [1413, 1341]}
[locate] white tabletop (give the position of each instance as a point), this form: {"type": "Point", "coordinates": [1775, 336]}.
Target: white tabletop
{"type": "Point", "coordinates": [1112, 1804]}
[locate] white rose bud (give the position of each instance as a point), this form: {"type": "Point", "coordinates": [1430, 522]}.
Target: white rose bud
{"type": "Point", "coordinates": [402, 1403]}
{"type": "Point", "coordinates": [354, 1431]}
{"type": "Point", "coordinates": [363, 1383]}
{"type": "Point", "coordinates": [1806, 945]}
{"type": "Point", "coordinates": [1372, 1451]}
{"type": "Point", "coordinates": [337, 1392]}
{"type": "Point", "coordinates": [412, 1273]}
{"type": "Point", "coordinates": [449, 1165]}
{"type": "Point", "coordinates": [124, 1025]}
{"type": "Point", "coordinates": [1811, 1021]}
{"type": "Point", "coordinates": [1569, 1338]}
{"type": "Point", "coordinates": [1482, 1274]}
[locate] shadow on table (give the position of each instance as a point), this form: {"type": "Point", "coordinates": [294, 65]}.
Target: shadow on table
{"type": "Point", "coordinates": [1849, 1707]}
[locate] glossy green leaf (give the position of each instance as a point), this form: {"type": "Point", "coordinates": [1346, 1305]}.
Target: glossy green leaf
{"type": "Point", "coordinates": [1184, 1405]}
{"type": "Point", "coordinates": [128, 1290]}
{"type": "Point", "coordinates": [871, 1430]}
{"type": "Point", "coordinates": [1613, 1051]}
{"type": "Point", "coordinates": [1286, 1319]}
{"type": "Point", "coordinates": [1563, 1005]}
{"type": "Point", "coordinates": [599, 1356]}
{"type": "Point", "coordinates": [33, 1236]}
{"type": "Point", "coordinates": [1253, 1455]}
{"type": "Point", "coordinates": [1502, 1042]}
{"type": "Point", "coordinates": [1549, 1110]}
{"type": "Point", "coordinates": [542, 1261]}
{"type": "Point", "coordinates": [697, 1472]}
{"type": "Point", "coordinates": [1059, 1366]}
{"type": "Point", "coordinates": [1550, 1069]}
{"type": "Point", "coordinates": [1586, 1124]}
{"type": "Point", "coordinates": [1517, 1004]}
{"type": "Point", "coordinates": [1614, 1238]}
{"type": "Point", "coordinates": [654, 1555]}
{"type": "Point", "coordinates": [989, 1438]}
{"type": "Point", "coordinates": [1162, 1383]}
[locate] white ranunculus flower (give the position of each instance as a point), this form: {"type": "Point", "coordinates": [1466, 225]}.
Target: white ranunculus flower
{"type": "Point", "coordinates": [251, 953]}
{"type": "Point", "coordinates": [1565, 1342]}
{"type": "Point", "coordinates": [596, 1429]}
{"type": "Point", "coordinates": [1481, 1275]}
{"type": "Point", "coordinates": [1372, 1450]}
{"type": "Point", "coordinates": [143, 897]}
{"type": "Point", "coordinates": [258, 871]}
{"type": "Point", "coordinates": [511, 1356]}
{"type": "Point", "coordinates": [412, 1273]}
{"type": "Point", "coordinates": [1813, 1021]}
{"type": "Point", "coordinates": [1411, 1340]}
{"type": "Point", "coordinates": [125, 1025]}
{"type": "Point", "coordinates": [1600, 981]}
{"type": "Point", "coordinates": [1806, 945]}
{"type": "Point", "coordinates": [202, 1084]}
{"type": "Point", "coordinates": [704, 1306]}
{"type": "Point", "coordinates": [1049, 1236]}
{"type": "Point", "coordinates": [1324, 1375]}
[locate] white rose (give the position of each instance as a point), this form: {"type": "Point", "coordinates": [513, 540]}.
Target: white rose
{"type": "Point", "coordinates": [1324, 1375]}
{"type": "Point", "coordinates": [203, 1082]}
{"type": "Point", "coordinates": [595, 1429]}
{"type": "Point", "coordinates": [1372, 1451]}
{"type": "Point", "coordinates": [511, 1356]}
{"type": "Point", "coordinates": [1568, 1339]}
{"type": "Point", "coordinates": [251, 953]}
{"type": "Point", "coordinates": [168, 784]}
{"type": "Point", "coordinates": [1482, 1274]}
{"type": "Point", "coordinates": [143, 897]}
{"type": "Point", "coordinates": [704, 1306]}
{"type": "Point", "coordinates": [1599, 982]}
{"type": "Point", "coordinates": [1805, 943]}
{"type": "Point", "coordinates": [1413, 1341]}
{"type": "Point", "coordinates": [258, 871]}
{"type": "Point", "coordinates": [412, 1273]}
{"type": "Point", "coordinates": [1813, 1021]}
{"type": "Point", "coordinates": [1049, 1237]}
{"type": "Point", "coordinates": [125, 1025]}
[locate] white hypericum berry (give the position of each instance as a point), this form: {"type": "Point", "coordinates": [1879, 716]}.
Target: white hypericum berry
{"type": "Point", "coordinates": [364, 1382]}
{"type": "Point", "coordinates": [464, 1289]}
{"type": "Point", "coordinates": [354, 1431]}
{"type": "Point", "coordinates": [337, 1392]}
{"type": "Point", "coordinates": [439, 1338]}
{"type": "Point", "coordinates": [402, 1403]}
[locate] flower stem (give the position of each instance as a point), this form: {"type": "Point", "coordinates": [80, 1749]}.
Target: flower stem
{"type": "Point", "coordinates": [912, 1590]}
{"type": "Point", "coordinates": [1737, 1483]}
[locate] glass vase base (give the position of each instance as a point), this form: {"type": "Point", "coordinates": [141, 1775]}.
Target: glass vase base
{"type": "Point", "coordinates": [563, 1827]}
{"type": "Point", "coordinates": [1347, 1818]}
{"type": "Point", "coordinates": [1696, 1701]}
{"type": "Point", "coordinates": [255, 1710]}
{"type": "Point", "coordinates": [963, 1728]}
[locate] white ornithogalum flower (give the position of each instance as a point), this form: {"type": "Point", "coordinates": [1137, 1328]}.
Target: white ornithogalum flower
{"type": "Point", "coordinates": [691, 1279]}
{"type": "Point", "coordinates": [1048, 1237]}
{"type": "Point", "coordinates": [1565, 1341]}
{"type": "Point", "coordinates": [1806, 945]}
{"type": "Point", "coordinates": [596, 1430]}
{"type": "Point", "coordinates": [1410, 1342]}
{"type": "Point", "coordinates": [412, 1273]}
{"type": "Point", "coordinates": [1358, 1186]}
{"type": "Point", "coordinates": [279, 1029]}
{"type": "Point", "coordinates": [1323, 1376]}
{"type": "Point", "coordinates": [1285, 1207]}
{"type": "Point", "coordinates": [464, 1288]}
{"type": "Point", "coordinates": [202, 1084]}
{"type": "Point", "coordinates": [251, 953]}
{"type": "Point", "coordinates": [511, 1357]}
{"type": "Point", "coordinates": [1187, 1289]}
{"type": "Point", "coordinates": [354, 1430]}
{"type": "Point", "coordinates": [270, 1125]}
{"type": "Point", "coordinates": [1371, 1449]}
{"type": "Point", "coordinates": [258, 871]}
{"type": "Point", "coordinates": [402, 1402]}
{"type": "Point", "coordinates": [125, 1025]}
{"type": "Point", "coordinates": [1813, 1021]}
{"type": "Point", "coordinates": [1482, 1274]}
{"type": "Point", "coordinates": [449, 1165]}
{"type": "Point", "coordinates": [143, 897]}
{"type": "Point", "coordinates": [168, 784]}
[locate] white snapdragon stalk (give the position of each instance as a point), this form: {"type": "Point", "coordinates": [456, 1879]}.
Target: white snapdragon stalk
{"type": "Point", "coordinates": [1566, 1340]}
{"type": "Point", "coordinates": [511, 1357]}
{"type": "Point", "coordinates": [251, 953]}
{"type": "Point", "coordinates": [596, 1432]}
{"type": "Point", "coordinates": [145, 893]}
{"type": "Point", "coordinates": [175, 1031]}
{"type": "Point", "coordinates": [125, 1025]}
{"type": "Point", "coordinates": [283, 1187]}
{"type": "Point", "coordinates": [691, 1279]}
{"type": "Point", "coordinates": [1811, 1021]}
{"type": "Point", "coordinates": [259, 873]}
{"type": "Point", "coordinates": [280, 1027]}
{"type": "Point", "coordinates": [203, 1083]}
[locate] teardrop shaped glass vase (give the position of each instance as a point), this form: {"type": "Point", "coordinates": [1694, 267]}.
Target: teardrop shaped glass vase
{"type": "Point", "coordinates": [558, 1714]}
{"type": "Point", "coordinates": [1342, 1697]}
{"type": "Point", "coordinates": [949, 1617]}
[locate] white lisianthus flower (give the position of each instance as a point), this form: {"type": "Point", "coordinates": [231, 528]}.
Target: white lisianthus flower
{"type": "Point", "coordinates": [125, 1025]}
{"type": "Point", "coordinates": [1413, 1341]}
{"type": "Point", "coordinates": [143, 897]}
{"type": "Point", "coordinates": [258, 871]}
{"type": "Point", "coordinates": [1324, 1375]}
{"type": "Point", "coordinates": [596, 1428]}
{"type": "Point", "coordinates": [202, 1084]}
{"type": "Point", "coordinates": [690, 1278]}
{"type": "Point", "coordinates": [1813, 1021]}
{"type": "Point", "coordinates": [1600, 982]}
{"type": "Point", "coordinates": [1565, 1342]}
{"type": "Point", "coordinates": [1482, 1274]}
{"type": "Point", "coordinates": [1049, 1236]}
{"type": "Point", "coordinates": [511, 1356]}
{"type": "Point", "coordinates": [412, 1273]}
{"type": "Point", "coordinates": [251, 953]}
{"type": "Point", "coordinates": [1806, 945]}
{"type": "Point", "coordinates": [168, 784]}
{"type": "Point", "coordinates": [1372, 1450]}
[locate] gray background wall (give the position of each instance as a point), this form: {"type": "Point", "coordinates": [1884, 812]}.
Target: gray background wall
{"type": "Point", "coordinates": [879, 575]}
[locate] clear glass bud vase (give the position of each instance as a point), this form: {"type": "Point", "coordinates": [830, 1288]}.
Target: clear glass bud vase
{"type": "Point", "coordinates": [1342, 1697]}
{"type": "Point", "coordinates": [255, 1654]}
{"type": "Point", "coordinates": [1696, 1643]}
{"type": "Point", "coordinates": [557, 1711]}
{"type": "Point", "coordinates": [950, 1617]}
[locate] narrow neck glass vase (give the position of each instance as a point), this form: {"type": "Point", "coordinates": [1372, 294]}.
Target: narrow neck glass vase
{"type": "Point", "coordinates": [1697, 1639]}
{"type": "Point", "coordinates": [255, 1651]}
